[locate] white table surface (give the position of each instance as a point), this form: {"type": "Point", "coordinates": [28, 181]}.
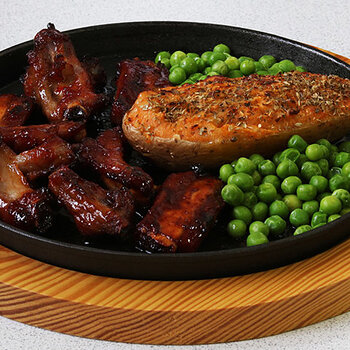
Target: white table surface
{"type": "Point", "coordinates": [325, 24]}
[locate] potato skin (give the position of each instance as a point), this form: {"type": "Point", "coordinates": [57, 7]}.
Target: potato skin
{"type": "Point", "coordinates": [220, 119]}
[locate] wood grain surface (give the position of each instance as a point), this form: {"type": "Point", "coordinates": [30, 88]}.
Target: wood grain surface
{"type": "Point", "coordinates": [181, 312]}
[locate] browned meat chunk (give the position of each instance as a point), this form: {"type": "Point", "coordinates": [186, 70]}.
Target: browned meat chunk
{"type": "Point", "coordinates": [14, 110]}
{"type": "Point", "coordinates": [184, 211]}
{"type": "Point", "coordinates": [134, 76]}
{"type": "Point", "coordinates": [44, 159]}
{"type": "Point", "coordinates": [95, 210]}
{"type": "Point", "coordinates": [105, 155]}
{"type": "Point", "coordinates": [56, 79]}
{"type": "Point", "coordinates": [20, 205]}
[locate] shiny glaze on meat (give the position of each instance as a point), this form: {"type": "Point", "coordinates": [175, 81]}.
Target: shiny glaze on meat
{"type": "Point", "coordinates": [20, 205]}
{"type": "Point", "coordinates": [184, 211]}
{"type": "Point", "coordinates": [106, 156]}
{"type": "Point", "coordinates": [14, 110]}
{"type": "Point", "coordinates": [57, 80]}
{"type": "Point", "coordinates": [219, 119]}
{"type": "Point", "coordinates": [134, 76]}
{"type": "Point", "coordinates": [95, 210]}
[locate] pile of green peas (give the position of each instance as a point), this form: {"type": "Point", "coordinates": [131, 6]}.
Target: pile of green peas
{"type": "Point", "coordinates": [302, 187]}
{"type": "Point", "coordinates": [192, 67]}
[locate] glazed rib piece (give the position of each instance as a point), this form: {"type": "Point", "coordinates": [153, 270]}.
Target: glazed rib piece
{"type": "Point", "coordinates": [96, 72]}
{"type": "Point", "coordinates": [219, 119]}
{"type": "Point", "coordinates": [95, 210]}
{"type": "Point", "coordinates": [185, 209]}
{"type": "Point", "coordinates": [134, 76]}
{"type": "Point", "coordinates": [105, 155]}
{"type": "Point", "coordinates": [20, 205]}
{"type": "Point", "coordinates": [56, 79]}
{"type": "Point", "coordinates": [44, 159]}
{"type": "Point", "coordinates": [14, 110]}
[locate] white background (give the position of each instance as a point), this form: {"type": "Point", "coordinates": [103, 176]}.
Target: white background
{"type": "Point", "coordinates": [325, 24]}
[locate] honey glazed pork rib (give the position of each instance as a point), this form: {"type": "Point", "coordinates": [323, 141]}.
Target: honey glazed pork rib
{"type": "Point", "coordinates": [95, 210]}
{"type": "Point", "coordinates": [20, 205]}
{"type": "Point", "coordinates": [134, 76]}
{"type": "Point", "coordinates": [184, 211]}
{"type": "Point", "coordinates": [14, 110]}
{"type": "Point", "coordinates": [57, 80]}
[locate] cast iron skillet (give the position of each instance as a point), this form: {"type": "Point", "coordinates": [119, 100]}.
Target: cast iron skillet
{"type": "Point", "coordinates": [126, 40]}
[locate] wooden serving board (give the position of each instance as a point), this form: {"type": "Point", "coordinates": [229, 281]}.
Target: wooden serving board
{"type": "Point", "coordinates": [181, 312]}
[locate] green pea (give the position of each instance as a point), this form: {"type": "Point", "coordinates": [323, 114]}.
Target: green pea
{"type": "Point", "coordinates": [334, 148]}
{"type": "Point", "coordinates": [319, 225]}
{"type": "Point", "coordinates": [189, 65]}
{"type": "Point", "coordinates": [302, 229]}
{"type": "Point", "coordinates": [287, 168]}
{"type": "Point", "coordinates": [345, 147]}
{"type": "Point", "coordinates": [232, 63]}
{"type": "Point", "coordinates": [310, 169]}
{"type": "Point", "coordinates": [262, 72]}
{"type": "Point", "coordinates": [344, 211]}
{"type": "Point", "coordinates": [244, 181]}
{"type": "Point", "coordinates": [225, 172]}
{"type": "Point", "coordinates": [222, 48]}
{"type": "Point", "coordinates": [256, 177]}
{"type": "Point", "coordinates": [322, 195]}
{"type": "Point", "coordinates": [276, 158]}
{"type": "Point", "coordinates": [177, 76]}
{"type": "Point", "coordinates": [245, 165]}
{"type": "Point", "coordinates": [258, 66]}
{"type": "Point", "coordinates": [220, 67]}
{"type": "Point", "coordinates": [212, 74]}
{"type": "Point", "coordinates": [247, 67]}
{"type": "Point", "coordinates": [318, 218]}
{"type": "Point", "coordinates": [338, 181]}
{"type": "Point", "coordinates": [177, 57]}
{"type": "Point", "coordinates": [235, 73]}
{"type": "Point", "coordinates": [306, 192]}
{"type": "Point", "coordinates": [232, 195]}
{"type": "Point", "coordinates": [205, 57]}
{"type": "Point", "coordinates": [311, 207]}
{"type": "Point", "coordinates": [298, 143]}
{"type": "Point", "coordinates": [334, 171]}
{"type": "Point", "coordinates": [319, 182]}
{"type": "Point", "coordinates": [330, 205]}
{"type": "Point", "coordinates": [259, 226]}
{"type": "Point", "coordinates": [287, 65]}
{"type": "Point", "coordinates": [173, 67]}
{"type": "Point", "coordinates": [324, 166]}
{"type": "Point", "coordinates": [279, 208]}
{"type": "Point", "coordinates": [291, 154]}
{"type": "Point", "coordinates": [267, 192]}
{"type": "Point", "coordinates": [216, 56]}
{"type": "Point", "coordinates": [242, 213]}
{"type": "Point", "coordinates": [343, 196]}
{"type": "Point", "coordinates": [237, 228]}
{"type": "Point", "coordinates": [267, 61]}
{"type": "Point", "coordinates": [166, 62]}
{"type": "Point", "coordinates": [299, 217]}
{"type": "Point", "coordinates": [345, 171]}
{"type": "Point", "coordinates": [324, 142]}
{"type": "Point", "coordinates": [332, 157]}
{"type": "Point", "coordinates": [192, 55]}
{"type": "Point", "coordinates": [161, 55]}
{"type": "Point", "coordinates": [195, 77]}
{"type": "Point", "coordinates": [300, 69]}
{"type": "Point", "coordinates": [292, 201]}
{"type": "Point", "coordinates": [276, 225]}
{"type": "Point", "coordinates": [256, 238]}
{"type": "Point", "coordinates": [333, 217]}
{"type": "Point", "coordinates": [200, 63]}
{"type": "Point", "coordinates": [341, 159]}
{"type": "Point", "coordinates": [260, 211]}
{"type": "Point", "coordinates": [272, 179]}
{"type": "Point", "coordinates": [250, 200]}
{"type": "Point", "coordinates": [187, 81]}
{"type": "Point", "coordinates": [256, 159]}
{"type": "Point", "coordinates": [301, 160]}
{"type": "Point", "coordinates": [266, 167]}
{"type": "Point", "coordinates": [314, 152]}
{"type": "Point", "coordinates": [207, 70]}
{"type": "Point", "coordinates": [274, 70]}
{"type": "Point", "coordinates": [290, 184]}
{"type": "Point", "coordinates": [245, 58]}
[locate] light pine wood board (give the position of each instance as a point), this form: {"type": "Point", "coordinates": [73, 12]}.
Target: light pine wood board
{"type": "Point", "coordinates": [181, 312]}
